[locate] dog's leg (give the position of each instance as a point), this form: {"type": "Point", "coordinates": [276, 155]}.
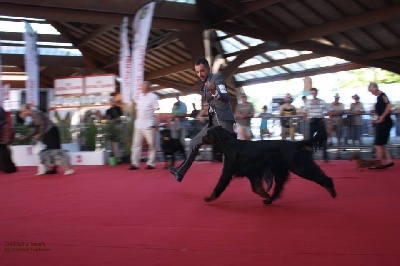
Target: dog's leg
{"type": "Point", "coordinates": [223, 182]}
{"type": "Point", "coordinates": [257, 187]}
{"type": "Point", "coordinates": [41, 169]}
{"type": "Point", "coordinates": [281, 172]}
{"type": "Point", "coordinates": [269, 179]}
{"type": "Point", "coordinates": [173, 159]}
{"type": "Point", "coordinates": [308, 169]}
{"type": "Point", "coordinates": [68, 170]}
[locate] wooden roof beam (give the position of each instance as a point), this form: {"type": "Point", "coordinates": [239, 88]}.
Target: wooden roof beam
{"type": "Point", "coordinates": [161, 41]}
{"type": "Point", "coordinates": [169, 70]}
{"type": "Point", "coordinates": [346, 55]}
{"type": "Point", "coordinates": [96, 33]}
{"type": "Point", "coordinates": [291, 60]}
{"type": "Point", "coordinates": [311, 72]}
{"type": "Point", "coordinates": [171, 84]}
{"type": "Point", "coordinates": [18, 36]}
{"type": "Point", "coordinates": [247, 54]}
{"type": "Point", "coordinates": [194, 43]}
{"type": "Point", "coordinates": [178, 21]}
{"type": "Point", "coordinates": [44, 60]}
{"type": "Point", "coordinates": [384, 54]}
{"type": "Point", "coordinates": [364, 19]}
{"type": "Point", "coordinates": [87, 54]}
{"type": "Point", "coordinates": [246, 8]}
{"type": "Point", "coordinates": [310, 46]}
{"type": "Point", "coordinates": [265, 34]}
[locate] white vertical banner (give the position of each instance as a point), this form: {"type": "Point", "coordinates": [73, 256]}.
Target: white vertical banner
{"type": "Point", "coordinates": [125, 62]}
{"type": "Point", "coordinates": [141, 26]}
{"type": "Point", "coordinates": [5, 93]}
{"type": "Point", "coordinates": [31, 66]}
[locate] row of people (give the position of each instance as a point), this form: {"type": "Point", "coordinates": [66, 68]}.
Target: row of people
{"type": "Point", "coordinates": [214, 91]}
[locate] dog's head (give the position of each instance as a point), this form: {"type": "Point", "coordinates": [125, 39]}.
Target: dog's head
{"type": "Point", "coordinates": [165, 134]}
{"type": "Point", "coordinates": [217, 135]}
{"type": "Point", "coordinates": [37, 147]}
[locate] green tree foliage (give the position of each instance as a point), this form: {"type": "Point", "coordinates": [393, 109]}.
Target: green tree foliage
{"type": "Point", "coordinates": [64, 127]}
{"type": "Point", "coordinates": [362, 77]}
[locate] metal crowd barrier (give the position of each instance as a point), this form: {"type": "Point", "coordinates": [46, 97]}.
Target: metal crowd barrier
{"type": "Point", "coordinates": [300, 129]}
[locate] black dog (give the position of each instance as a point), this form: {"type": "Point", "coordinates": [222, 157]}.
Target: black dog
{"type": "Point", "coordinates": [170, 146]}
{"type": "Point", "coordinates": [254, 160]}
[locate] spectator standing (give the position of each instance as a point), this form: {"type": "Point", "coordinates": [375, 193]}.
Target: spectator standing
{"type": "Point", "coordinates": [146, 125]}
{"type": "Point", "coordinates": [382, 126]}
{"type": "Point", "coordinates": [181, 114]}
{"type": "Point", "coordinates": [356, 111]}
{"type": "Point", "coordinates": [287, 109]}
{"type": "Point", "coordinates": [114, 112]}
{"type": "Point", "coordinates": [316, 110]}
{"type": "Point", "coordinates": [335, 122]}
{"type": "Point", "coordinates": [264, 122]}
{"type": "Point", "coordinates": [113, 117]}
{"type": "Point", "coordinates": [6, 137]}
{"type": "Point", "coordinates": [243, 114]}
{"type": "Point", "coordinates": [303, 128]}
{"type": "Point", "coordinates": [175, 122]}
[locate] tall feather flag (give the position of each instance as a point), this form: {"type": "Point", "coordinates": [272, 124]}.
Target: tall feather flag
{"type": "Point", "coordinates": [1, 84]}
{"type": "Point", "coordinates": [141, 26]}
{"type": "Point", "coordinates": [125, 63]}
{"type": "Point", "coordinates": [4, 89]}
{"type": "Point", "coordinates": [31, 66]}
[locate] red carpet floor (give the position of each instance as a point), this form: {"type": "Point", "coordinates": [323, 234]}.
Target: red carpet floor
{"type": "Point", "coordinates": [108, 215]}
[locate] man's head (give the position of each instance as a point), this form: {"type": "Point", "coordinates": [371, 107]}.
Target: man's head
{"type": "Point", "coordinates": [337, 97]}
{"type": "Point", "coordinates": [288, 98]}
{"type": "Point", "coordinates": [373, 88]}
{"type": "Point", "coordinates": [202, 68]}
{"type": "Point", "coordinates": [113, 102]}
{"type": "Point", "coordinates": [25, 111]}
{"type": "Point", "coordinates": [356, 97]}
{"type": "Point", "coordinates": [243, 97]}
{"type": "Point", "coordinates": [146, 87]}
{"type": "Point", "coordinates": [314, 92]}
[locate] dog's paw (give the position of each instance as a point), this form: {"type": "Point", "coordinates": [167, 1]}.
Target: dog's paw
{"type": "Point", "coordinates": [332, 192]}
{"type": "Point", "coordinates": [267, 201]}
{"type": "Point", "coordinates": [69, 172]}
{"type": "Point", "coordinates": [209, 199]}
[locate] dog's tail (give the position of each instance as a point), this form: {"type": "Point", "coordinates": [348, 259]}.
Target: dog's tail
{"type": "Point", "coordinates": [318, 141]}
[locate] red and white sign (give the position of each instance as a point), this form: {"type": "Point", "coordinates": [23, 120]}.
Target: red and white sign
{"type": "Point", "coordinates": [69, 86]}
{"type": "Point", "coordinates": [100, 83]}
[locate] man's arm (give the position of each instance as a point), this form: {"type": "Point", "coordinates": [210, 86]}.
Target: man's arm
{"type": "Point", "coordinates": [218, 88]}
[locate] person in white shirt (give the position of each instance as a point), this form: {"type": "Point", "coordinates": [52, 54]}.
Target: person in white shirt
{"type": "Point", "coordinates": [146, 125]}
{"type": "Point", "coordinates": [316, 109]}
